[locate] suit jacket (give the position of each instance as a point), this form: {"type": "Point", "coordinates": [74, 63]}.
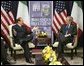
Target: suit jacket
{"type": "Point", "coordinates": [71, 30]}
{"type": "Point", "coordinates": [22, 34]}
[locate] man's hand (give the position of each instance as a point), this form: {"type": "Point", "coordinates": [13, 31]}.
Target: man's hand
{"type": "Point", "coordinates": [67, 35]}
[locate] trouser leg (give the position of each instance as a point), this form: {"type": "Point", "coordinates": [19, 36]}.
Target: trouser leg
{"type": "Point", "coordinates": [61, 45]}
{"type": "Point", "coordinates": [27, 53]}
{"type": "Point", "coordinates": [60, 48]}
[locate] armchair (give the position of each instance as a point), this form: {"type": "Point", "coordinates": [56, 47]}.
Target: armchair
{"type": "Point", "coordinates": [14, 46]}
{"type": "Point", "coordinates": [71, 46]}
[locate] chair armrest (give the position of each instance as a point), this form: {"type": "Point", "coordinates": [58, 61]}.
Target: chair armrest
{"type": "Point", "coordinates": [31, 45]}
{"type": "Point", "coordinates": [55, 44]}
{"type": "Point", "coordinates": [72, 44]}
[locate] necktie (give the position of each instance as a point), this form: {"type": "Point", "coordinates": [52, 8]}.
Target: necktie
{"type": "Point", "coordinates": [68, 26]}
{"type": "Point", "coordinates": [67, 31]}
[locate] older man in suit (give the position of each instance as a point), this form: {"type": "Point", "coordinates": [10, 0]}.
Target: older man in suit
{"type": "Point", "coordinates": [66, 34]}
{"type": "Point", "coordinates": [22, 37]}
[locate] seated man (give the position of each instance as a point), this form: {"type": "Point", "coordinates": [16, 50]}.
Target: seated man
{"type": "Point", "coordinates": [66, 34]}
{"type": "Point", "coordinates": [22, 37]}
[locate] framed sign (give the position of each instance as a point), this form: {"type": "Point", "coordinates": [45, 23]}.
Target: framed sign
{"type": "Point", "coordinates": [41, 15]}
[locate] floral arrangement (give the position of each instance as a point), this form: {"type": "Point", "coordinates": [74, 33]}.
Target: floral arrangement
{"type": "Point", "coordinates": [42, 34]}
{"type": "Point", "coordinates": [49, 56]}
{"type": "Point", "coordinates": [38, 32]}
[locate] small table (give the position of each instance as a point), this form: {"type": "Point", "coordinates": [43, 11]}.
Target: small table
{"type": "Point", "coordinates": [42, 41]}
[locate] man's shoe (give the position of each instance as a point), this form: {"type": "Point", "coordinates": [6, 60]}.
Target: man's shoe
{"type": "Point", "coordinates": [30, 61]}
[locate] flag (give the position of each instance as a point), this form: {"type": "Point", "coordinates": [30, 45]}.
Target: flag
{"type": "Point", "coordinates": [77, 14]}
{"type": "Point", "coordinates": [59, 16]}
{"type": "Point", "coordinates": [24, 13]}
{"type": "Point", "coordinates": [7, 18]}
{"type": "Point", "coordinates": [10, 10]}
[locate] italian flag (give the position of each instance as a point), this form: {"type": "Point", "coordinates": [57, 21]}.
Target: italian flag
{"type": "Point", "coordinates": [23, 12]}
{"type": "Point", "coordinates": [77, 14]}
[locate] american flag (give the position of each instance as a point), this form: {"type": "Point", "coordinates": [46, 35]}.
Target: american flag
{"type": "Point", "coordinates": [7, 18]}
{"type": "Point", "coordinates": [59, 17]}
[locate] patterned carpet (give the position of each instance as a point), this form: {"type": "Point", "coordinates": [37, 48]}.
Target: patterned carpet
{"type": "Point", "coordinates": [77, 60]}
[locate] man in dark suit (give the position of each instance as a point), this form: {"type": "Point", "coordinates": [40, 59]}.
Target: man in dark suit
{"type": "Point", "coordinates": [67, 34]}
{"type": "Point", "coordinates": [22, 37]}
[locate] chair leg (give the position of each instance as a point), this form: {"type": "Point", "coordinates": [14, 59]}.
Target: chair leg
{"type": "Point", "coordinates": [14, 55]}
{"type": "Point", "coordinates": [75, 51]}
{"type": "Point", "coordinates": [11, 52]}
{"type": "Point", "coordinates": [71, 54]}
{"type": "Point", "coordinates": [56, 50]}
